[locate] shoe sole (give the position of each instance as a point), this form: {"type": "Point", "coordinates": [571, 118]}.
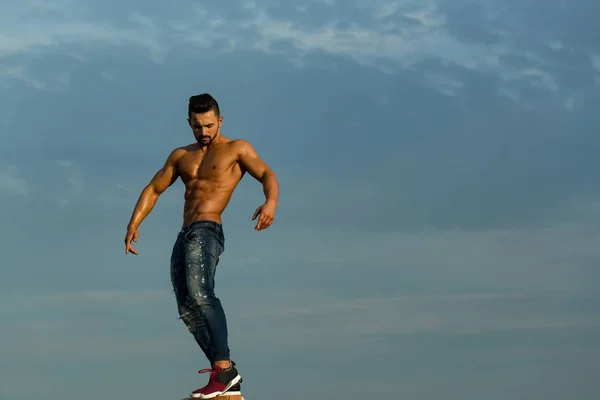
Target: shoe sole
{"type": "Point", "coordinates": [224, 392]}
{"type": "Point", "coordinates": [229, 393]}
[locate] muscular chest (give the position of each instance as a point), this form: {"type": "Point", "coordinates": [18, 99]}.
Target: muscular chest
{"type": "Point", "coordinates": [213, 165]}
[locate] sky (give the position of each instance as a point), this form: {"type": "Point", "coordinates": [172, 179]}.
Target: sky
{"type": "Point", "coordinates": [437, 229]}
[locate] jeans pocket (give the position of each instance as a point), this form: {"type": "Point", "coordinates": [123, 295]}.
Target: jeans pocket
{"type": "Point", "coordinates": [198, 236]}
{"type": "Point", "coordinates": [206, 239]}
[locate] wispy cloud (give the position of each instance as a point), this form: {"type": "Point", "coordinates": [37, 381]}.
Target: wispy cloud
{"type": "Point", "coordinates": [445, 83]}
{"type": "Point", "coordinates": [545, 79]}
{"type": "Point", "coordinates": [69, 184]}
{"type": "Point", "coordinates": [12, 384]}
{"type": "Point", "coordinates": [65, 23]}
{"type": "Point", "coordinates": [84, 329]}
{"type": "Point", "coordinates": [18, 72]}
{"type": "Point", "coordinates": [470, 313]}
{"type": "Point", "coordinates": [117, 195]}
{"type": "Point", "coordinates": [407, 43]}
{"type": "Point", "coordinates": [11, 183]}
{"type": "Point", "coordinates": [80, 325]}
{"type": "Point", "coordinates": [403, 32]}
{"type": "Point", "coordinates": [596, 61]}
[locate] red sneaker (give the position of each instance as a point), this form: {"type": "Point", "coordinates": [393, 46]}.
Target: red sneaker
{"type": "Point", "coordinates": [235, 390]}
{"type": "Point", "coordinates": [220, 381]}
{"type": "Point", "coordinates": [196, 393]}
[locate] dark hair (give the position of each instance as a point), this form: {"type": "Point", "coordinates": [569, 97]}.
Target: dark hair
{"type": "Point", "coordinates": [202, 103]}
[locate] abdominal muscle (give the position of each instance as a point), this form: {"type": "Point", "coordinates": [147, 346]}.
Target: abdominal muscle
{"type": "Point", "coordinates": [206, 200]}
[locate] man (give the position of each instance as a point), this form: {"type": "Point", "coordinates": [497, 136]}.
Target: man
{"type": "Point", "coordinates": [210, 168]}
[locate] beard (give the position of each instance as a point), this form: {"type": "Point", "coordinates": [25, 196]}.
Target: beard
{"type": "Point", "coordinates": [204, 140]}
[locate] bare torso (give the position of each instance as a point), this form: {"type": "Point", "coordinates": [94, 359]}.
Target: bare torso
{"type": "Point", "coordinates": [210, 177]}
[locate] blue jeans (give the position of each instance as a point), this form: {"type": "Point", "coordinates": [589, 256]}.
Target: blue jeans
{"type": "Point", "coordinates": [193, 265]}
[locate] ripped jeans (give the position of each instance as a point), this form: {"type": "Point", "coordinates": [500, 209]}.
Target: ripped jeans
{"type": "Point", "coordinates": [193, 265]}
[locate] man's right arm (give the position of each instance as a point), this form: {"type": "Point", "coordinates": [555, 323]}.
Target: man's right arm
{"type": "Point", "coordinates": [160, 182]}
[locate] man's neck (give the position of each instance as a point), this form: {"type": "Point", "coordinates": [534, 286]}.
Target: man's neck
{"type": "Point", "coordinates": [218, 140]}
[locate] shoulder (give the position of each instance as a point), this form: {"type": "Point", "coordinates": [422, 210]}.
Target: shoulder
{"type": "Point", "coordinates": [241, 147]}
{"type": "Point", "coordinates": [176, 154]}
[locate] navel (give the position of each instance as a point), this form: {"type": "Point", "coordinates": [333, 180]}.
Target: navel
{"type": "Point", "coordinates": [214, 167]}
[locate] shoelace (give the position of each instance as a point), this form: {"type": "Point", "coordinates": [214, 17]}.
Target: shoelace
{"type": "Point", "coordinates": [213, 373]}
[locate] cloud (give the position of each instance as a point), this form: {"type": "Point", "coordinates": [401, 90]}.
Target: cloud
{"type": "Point", "coordinates": [117, 195]}
{"type": "Point", "coordinates": [66, 23]}
{"type": "Point", "coordinates": [419, 35]}
{"type": "Point", "coordinates": [545, 79]}
{"type": "Point", "coordinates": [595, 58]}
{"type": "Point", "coordinates": [111, 325]}
{"type": "Point", "coordinates": [385, 35]}
{"type": "Point", "coordinates": [460, 314]}
{"type": "Point", "coordinates": [446, 84]}
{"type": "Point", "coordinates": [70, 176]}
{"type": "Point", "coordinates": [12, 384]}
{"type": "Point", "coordinates": [17, 72]}
{"type": "Point", "coordinates": [57, 81]}
{"type": "Point", "coordinates": [85, 325]}
{"type": "Point", "coordinates": [11, 183]}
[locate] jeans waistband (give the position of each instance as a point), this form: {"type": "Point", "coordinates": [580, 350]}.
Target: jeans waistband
{"type": "Point", "coordinates": [201, 224]}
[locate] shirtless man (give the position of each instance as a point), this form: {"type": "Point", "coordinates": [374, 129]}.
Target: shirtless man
{"type": "Point", "coordinates": [210, 168]}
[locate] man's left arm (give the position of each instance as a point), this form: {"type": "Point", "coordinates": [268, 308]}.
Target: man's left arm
{"type": "Point", "coordinates": [251, 162]}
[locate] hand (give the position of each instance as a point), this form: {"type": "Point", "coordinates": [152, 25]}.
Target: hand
{"type": "Point", "coordinates": [132, 234]}
{"type": "Point", "coordinates": [267, 214]}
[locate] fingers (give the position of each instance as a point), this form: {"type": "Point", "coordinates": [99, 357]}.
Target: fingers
{"type": "Point", "coordinates": [266, 218]}
{"type": "Point", "coordinates": [256, 213]}
{"type": "Point", "coordinates": [259, 223]}
{"type": "Point", "coordinates": [128, 238]}
{"type": "Point", "coordinates": [263, 222]}
{"type": "Point", "coordinates": [267, 223]}
{"type": "Point", "coordinates": [130, 249]}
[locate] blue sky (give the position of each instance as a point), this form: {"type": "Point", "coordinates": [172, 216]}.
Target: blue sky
{"type": "Point", "coordinates": [437, 228]}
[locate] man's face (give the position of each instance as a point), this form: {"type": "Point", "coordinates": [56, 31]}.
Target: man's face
{"type": "Point", "coordinates": [205, 126]}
